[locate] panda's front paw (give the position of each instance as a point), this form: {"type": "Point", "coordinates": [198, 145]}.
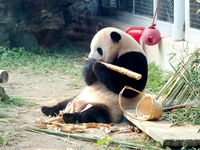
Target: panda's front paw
{"type": "Point", "coordinates": [99, 67]}
{"type": "Point", "coordinates": [88, 73]}
{"type": "Point", "coordinates": [69, 118]}
{"type": "Point", "coordinates": [90, 62]}
{"type": "Point", "coordinates": [88, 67]}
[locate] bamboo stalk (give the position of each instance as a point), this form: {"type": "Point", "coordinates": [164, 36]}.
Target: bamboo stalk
{"type": "Point", "coordinates": [169, 82]}
{"type": "Point", "coordinates": [122, 70]}
{"type": "Point", "coordinates": [191, 96]}
{"type": "Point", "coordinates": [185, 92]}
{"type": "Point", "coordinates": [169, 101]}
{"type": "Point", "coordinates": [171, 90]}
{"type": "Point", "coordinates": [174, 107]}
{"type": "Point", "coordinates": [86, 138]}
{"type": "Point", "coordinates": [176, 92]}
{"type": "Point", "coordinates": [184, 88]}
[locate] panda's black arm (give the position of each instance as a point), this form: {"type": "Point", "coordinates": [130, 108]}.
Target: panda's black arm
{"type": "Point", "coordinates": [104, 75]}
{"type": "Point", "coordinates": [114, 81]}
{"type": "Point", "coordinates": [134, 61]}
{"type": "Point", "coordinates": [87, 72]}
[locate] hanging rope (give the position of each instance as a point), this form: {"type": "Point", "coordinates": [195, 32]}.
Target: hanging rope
{"type": "Point", "coordinates": [153, 24]}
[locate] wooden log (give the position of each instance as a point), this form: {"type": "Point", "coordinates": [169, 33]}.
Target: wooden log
{"type": "Point", "coordinates": [3, 94]}
{"type": "Point", "coordinates": [3, 76]}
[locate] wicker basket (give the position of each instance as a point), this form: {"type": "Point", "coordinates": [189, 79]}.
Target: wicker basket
{"type": "Point", "coordinates": [146, 109]}
{"type": "Point", "coordinates": [149, 109]}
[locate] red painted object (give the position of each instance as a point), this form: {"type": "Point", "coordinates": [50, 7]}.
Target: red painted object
{"type": "Point", "coordinates": [135, 32]}
{"type": "Point", "coordinates": [151, 36]}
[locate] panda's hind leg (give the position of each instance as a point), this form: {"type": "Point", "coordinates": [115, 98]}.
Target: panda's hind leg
{"type": "Point", "coordinates": [97, 113]}
{"type": "Point", "coordinates": [55, 110]}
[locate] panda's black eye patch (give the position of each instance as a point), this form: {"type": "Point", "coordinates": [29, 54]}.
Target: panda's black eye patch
{"type": "Point", "coordinates": [99, 50]}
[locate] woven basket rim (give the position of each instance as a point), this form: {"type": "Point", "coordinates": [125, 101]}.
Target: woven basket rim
{"type": "Point", "coordinates": [152, 101]}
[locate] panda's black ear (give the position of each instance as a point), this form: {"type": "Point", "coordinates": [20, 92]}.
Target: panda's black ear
{"type": "Point", "coordinates": [115, 36]}
{"type": "Point", "coordinates": [99, 27]}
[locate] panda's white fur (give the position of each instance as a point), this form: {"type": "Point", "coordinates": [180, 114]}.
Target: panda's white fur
{"type": "Point", "coordinates": [98, 93]}
{"type": "Point", "coordinates": [126, 44]}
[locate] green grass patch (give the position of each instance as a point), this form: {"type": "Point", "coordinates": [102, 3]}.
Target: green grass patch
{"type": "Point", "coordinates": [13, 101]}
{"type": "Point", "coordinates": [1, 140]}
{"type": "Point", "coordinates": [2, 114]}
{"type": "Point", "coordinates": [156, 78]}
{"type": "Point", "coordinates": [4, 139]}
{"type": "Point", "coordinates": [18, 101]}
{"type": "Point", "coordinates": [182, 116]}
{"type": "Point", "coordinates": [62, 61]}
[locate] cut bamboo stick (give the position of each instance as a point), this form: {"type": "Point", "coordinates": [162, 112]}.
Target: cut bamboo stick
{"type": "Point", "coordinates": [183, 95]}
{"type": "Point", "coordinates": [174, 107]}
{"type": "Point", "coordinates": [174, 93]}
{"type": "Point", "coordinates": [169, 82]}
{"type": "Point", "coordinates": [122, 70]}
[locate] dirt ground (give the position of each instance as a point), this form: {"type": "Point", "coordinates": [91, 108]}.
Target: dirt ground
{"type": "Point", "coordinates": [39, 90]}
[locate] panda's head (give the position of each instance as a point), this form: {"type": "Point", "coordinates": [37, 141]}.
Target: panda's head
{"type": "Point", "coordinates": [109, 43]}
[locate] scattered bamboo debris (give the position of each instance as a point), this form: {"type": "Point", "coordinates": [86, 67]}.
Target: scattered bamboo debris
{"type": "Point", "coordinates": [57, 124]}
{"type": "Point", "coordinates": [88, 138]}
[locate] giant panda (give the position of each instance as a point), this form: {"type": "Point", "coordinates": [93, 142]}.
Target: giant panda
{"type": "Point", "coordinates": [98, 102]}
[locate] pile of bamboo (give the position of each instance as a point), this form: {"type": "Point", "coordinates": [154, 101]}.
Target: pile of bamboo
{"type": "Point", "coordinates": [183, 87]}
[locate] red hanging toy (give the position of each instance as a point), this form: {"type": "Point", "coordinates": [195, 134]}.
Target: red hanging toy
{"type": "Point", "coordinates": [135, 32]}
{"type": "Point", "coordinates": [150, 35]}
